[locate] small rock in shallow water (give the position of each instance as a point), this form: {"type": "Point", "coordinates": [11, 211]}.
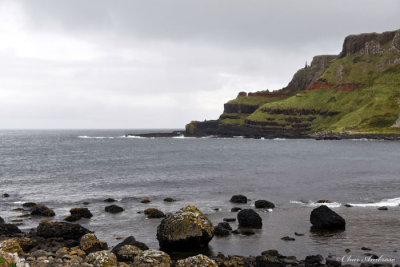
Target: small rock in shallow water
{"type": "Point", "coordinates": [249, 218]}
{"type": "Point", "coordinates": [2, 221]}
{"type": "Point", "coordinates": [324, 201]}
{"type": "Point", "coordinates": [383, 208]}
{"type": "Point", "coordinates": [236, 232]}
{"type": "Point", "coordinates": [348, 205]}
{"type": "Point", "coordinates": [42, 210]}
{"type": "Point", "coordinates": [264, 204]}
{"type": "Point", "coordinates": [330, 261]}
{"type": "Point", "coordinates": [169, 199]}
{"type": "Point", "coordinates": [239, 199]}
{"type": "Point", "coordinates": [229, 219]}
{"type": "Point", "coordinates": [85, 203]}
{"type": "Point", "coordinates": [247, 232]}
{"type": "Point", "coordinates": [271, 252]}
{"type": "Point", "coordinates": [145, 201]}
{"type": "Point", "coordinates": [365, 248]}
{"type": "Point", "coordinates": [6, 195]}
{"type": "Point", "coordinates": [222, 229]}
{"type": "Point", "coordinates": [347, 250]}
{"type": "Point", "coordinates": [314, 259]}
{"type": "Point", "coordinates": [298, 234]}
{"type": "Point", "coordinates": [29, 204]}
{"type": "Point", "coordinates": [154, 213]}
{"type": "Point", "coordinates": [288, 238]}
{"type": "Point", "coordinates": [109, 200]}
{"type": "Point", "coordinates": [113, 209]}
{"type": "Point", "coordinates": [235, 209]}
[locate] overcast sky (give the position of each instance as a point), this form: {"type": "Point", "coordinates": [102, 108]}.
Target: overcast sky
{"type": "Point", "coordinates": [161, 63]}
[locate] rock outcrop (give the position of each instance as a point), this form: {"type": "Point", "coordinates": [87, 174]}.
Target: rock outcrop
{"type": "Point", "coordinates": [326, 219]}
{"type": "Point", "coordinates": [187, 228]}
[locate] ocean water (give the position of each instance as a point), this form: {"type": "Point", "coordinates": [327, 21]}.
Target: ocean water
{"type": "Point", "coordinates": [64, 168]}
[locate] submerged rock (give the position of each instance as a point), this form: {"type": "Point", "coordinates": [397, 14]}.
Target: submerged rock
{"type": "Point", "coordinates": [186, 229]}
{"type": "Point", "coordinates": [154, 213]}
{"type": "Point", "coordinates": [198, 261]}
{"type": "Point", "coordinates": [42, 210]}
{"type": "Point", "coordinates": [152, 258]}
{"type": "Point", "coordinates": [109, 200]}
{"type": "Point", "coordinates": [61, 229]}
{"type": "Point", "coordinates": [239, 199]}
{"type": "Point", "coordinates": [325, 218]}
{"type": "Point", "coordinates": [264, 204]}
{"type": "Point", "coordinates": [114, 209]}
{"type": "Point", "coordinates": [249, 218]}
{"type": "Point", "coordinates": [129, 241]}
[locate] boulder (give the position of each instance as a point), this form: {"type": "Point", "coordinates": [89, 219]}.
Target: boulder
{"type": "Point", "coordinates": [383, 208]}
{"type": "Point", "coordinates": [249, 218]}
{"type": "Point", "coordinates": [90, 243]}
{"type": "Point", "coordinates": [152, 258]}
{"type": "Point", "coordinates": [65, 230]}
{"type": "Point", "coordinates": [239, 199]}
{"type": "Point", "coordinates": [109, 200]}
{"type": "Point", "coordinates": [102, 258]}
{"type": "Point", "coordinates": [113, 209]}
{"type": "Point", "coordinates": [154, 213]}
{"type": "Point", "coordinates": [42, 210]}
{"type": "Point", "coordinates": [82, 212]}
{"type": "Point", "coordinates": [222, 229]}
{"type": "Point", "coordinates": [29, 204]}
{"type": "Point", "coordinates": [198, 261]}
{"type": "Point", "coordinates": [169, 199]}
{"type": "Point", "coordinates": [129, 241]}
{"type": "Point", "coordinates": [128, 253]}
{"type": "Point", "coordinates": [326, 219]}
{"type": "Point", "coordinates": [188, 228]}
{"type": "Point", "coordinates": [314, 260]}
{"type": "Point", "coordinates": [8, 229]}
{"type": "Point", "coordinates": [264, 204]}
{"type": "Point", "coordinates": [72, 218]}
{"type": "Point", "coordinates": [11, 246]}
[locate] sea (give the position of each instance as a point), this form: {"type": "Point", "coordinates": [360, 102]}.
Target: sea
{"type": "Point", "coordinates": [64, 168]}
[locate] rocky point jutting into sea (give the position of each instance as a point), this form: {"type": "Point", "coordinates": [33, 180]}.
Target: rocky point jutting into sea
{"type": "Point", "coordinates": [350, 95]}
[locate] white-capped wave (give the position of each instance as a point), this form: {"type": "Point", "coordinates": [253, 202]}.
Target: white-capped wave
{"type": "Point", "coordinates": [279, 139]}
{"type": "Point", "coordinates": [316, 204]}
{"type": "Point", "coordinates": [392, 202]}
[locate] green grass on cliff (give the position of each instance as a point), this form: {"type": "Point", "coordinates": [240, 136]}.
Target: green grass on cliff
{"type": "Point", "coordinates": [253, 100]}
{"type": "Point", "coordinates": [372, 109]}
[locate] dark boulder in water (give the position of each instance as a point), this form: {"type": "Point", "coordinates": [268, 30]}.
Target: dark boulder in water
{"type": "Point", "coordinates": [6, 195]}
{"type": "Point", "coordinates": [154, 213]}
{"type": "Point", "coordinates": [383, 208]}
{"type": "Point", "coordinates": [145, 201]}
{"type": "Point", "coordinates": [186, 229]}
{"type": "Point", "coordinates": [42, 210]}
{"type": "Point", "coordinates": [65, 230]}
{"type": "Point", "coordinates": [222, 229]}
{"type": "Point", "coordinates": [239, 199]}
{"type": "Point", "coordinates": [82, 212]}
{"type": "Point", "coordinates": [169, 199]}
{"type": "Point", "coordinates": [326, 219]}
{"type": "Point", "coordinates": [29, 204]}
{"type": "Point", "coordinates": [8, 229]}
{"type": "Point", "coordinates": [236, 209]}
{"type": "Point", "coordinates": [113, 209]}
{"type": "Point", "coordinates": [324, 201]}
{"type": "Point", "coordinates": [109, 200]}
{"type": "Point", "coordinates": [2, 221]}
{"type": "Point", "coordinates": [249, 218]}
{"type": "Point", "coordinates": [264, 204]}
{"type": "Point", "coordinates": [129, 241]}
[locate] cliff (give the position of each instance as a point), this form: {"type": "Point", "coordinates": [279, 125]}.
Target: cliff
{"type": "Point", "coordinates": [355, 92]}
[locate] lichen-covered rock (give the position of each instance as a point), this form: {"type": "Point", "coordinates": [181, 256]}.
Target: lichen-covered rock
{"type": "Point", "coordinates": [187, 228]}
{"type": "Point", "coordinates": [102, 258]}
{"type": "Point", "coordinates": [42, 210]}
{"type": "Point", "coordinates": [130, 240]}
{"type": "Point", "coordinates": [90, 243]}
{"type": "Point", "coordinates": [325, 218]}
{"type": "Point", "coordinates": [11, 246]}
{"type": "Point", "coordinates": [198, 261]}
{"type": "Point", "coordinates": [152, 258]}
{"type": "Point", "coordinates": [249, 218]}
{"type": "Point", "coordinates": [239, 199]}
{"type": "Point", "coordinates": [114, 209]}
{"type": "Point", "coordinates": [128, 253]}
{"type": "Point", "coordinates": [154, 213]}
{"type": "Point", "coordinates": [61, 229]}
{"type": "Point", "coordinates": [26, 243]}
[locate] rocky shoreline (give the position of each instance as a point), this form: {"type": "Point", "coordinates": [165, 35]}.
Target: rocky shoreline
{"type": "Point", "coordinates": [184, 232]}
{"type": "Point", "coordinates": [327, 135]}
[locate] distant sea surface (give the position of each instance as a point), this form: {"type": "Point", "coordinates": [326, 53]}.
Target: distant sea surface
{"type": "Point", "coordinates": [64, 168]}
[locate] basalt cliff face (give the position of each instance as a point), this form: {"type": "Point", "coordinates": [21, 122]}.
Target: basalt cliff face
{"type": "Point", "coordinates": [355, 92]}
